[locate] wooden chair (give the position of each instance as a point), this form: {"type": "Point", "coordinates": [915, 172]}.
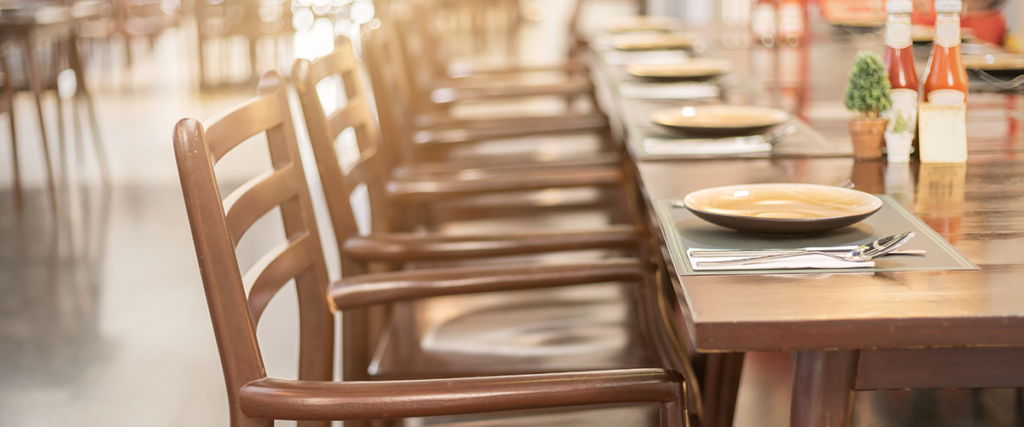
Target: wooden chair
{"type": "Point", "coordinates": [255, 399]}
{"type": "Point", "coordinates": [433, 90]}
{"type": "Point", "coordinates": [416, 147]}
{"type": "Point", "coordinates": [445, 66]}
{"type": "Point", "coordinates": [385, 190]}
{"type": "Point", "coordinates": [358, 252]}
{"type": "Point", "coordinates": [422, 183]}
{"type": "Point", "coordinates": [420, 134]}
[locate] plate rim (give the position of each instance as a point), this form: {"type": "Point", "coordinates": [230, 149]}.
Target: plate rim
{"type": "Point", "coordinates": [690, 40]}
{"type": "Point", "coordinates": [795, 220]}
{"type": "Point", "coordinates": [724, 69]}
{"type": "Point", "coordinates": [785, 117]}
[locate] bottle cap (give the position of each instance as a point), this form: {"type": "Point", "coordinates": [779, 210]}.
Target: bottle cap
{"type": "Point", "coordinates": [948, 5]}
{"type": "Point", "coordinates": [899, 6]}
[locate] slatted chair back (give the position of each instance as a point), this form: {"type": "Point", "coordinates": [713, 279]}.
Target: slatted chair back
{"type": "Point", "coordinates": [341, 90]}
{"type": "Point", "coordinates": [393, 89]}
{"type": "Point", "coordinates": [419, 42]}
{"type": "Point", "coordinates": [218, 225]}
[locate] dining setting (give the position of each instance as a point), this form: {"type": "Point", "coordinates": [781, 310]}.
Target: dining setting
{"type": "Point", "coordinates": [496, 213]}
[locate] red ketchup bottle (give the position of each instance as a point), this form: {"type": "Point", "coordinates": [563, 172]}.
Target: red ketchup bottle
{"type": "Point", "coordinates": [764, 22]}
{"type": "Point", "coordinates": [945, 79]}
{"type": "Point", "coordinates": [791, 21]}
{"type": "Point", "coordinates": [899, 63]}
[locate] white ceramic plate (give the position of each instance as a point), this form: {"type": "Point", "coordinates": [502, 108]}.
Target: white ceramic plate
{"type": "Point", "coordinates": [782, 208]}
{"type": "Point", "coordinates": [653, 41]}
{"type": "Point", "coordinates": [721, 119]}
{"type": "Point", "coordinates": [643, 23]}
{"type": "Point", "coordinates": [697, 69]}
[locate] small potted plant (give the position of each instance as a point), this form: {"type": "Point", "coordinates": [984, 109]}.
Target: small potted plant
{"type": "Point", "coordinates": [868, 94]}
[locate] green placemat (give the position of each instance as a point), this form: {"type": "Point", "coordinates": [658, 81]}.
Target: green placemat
{"type": "Point", "coordinates": [683, 230]}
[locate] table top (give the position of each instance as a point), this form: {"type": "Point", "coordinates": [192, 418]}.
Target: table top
{"type": "Point", "coordinates": [977, 206]}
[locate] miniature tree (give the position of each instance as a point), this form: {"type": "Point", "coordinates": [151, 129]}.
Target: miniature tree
{"type": "Point", "coordinates": [900, 125]}
{"type": "Point", "coordinates": [868, 93]}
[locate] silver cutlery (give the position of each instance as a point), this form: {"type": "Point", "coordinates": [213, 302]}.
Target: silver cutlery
{"type": "Point", "coordinates": [760, 252]}
{"type": "Point", "coordinates": [865, 252]}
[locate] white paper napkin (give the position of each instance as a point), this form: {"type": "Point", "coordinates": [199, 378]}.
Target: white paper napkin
{"type": "Point", "coordinates": [616, 57]}
{"type": "Point", "coordinates": [668, 90]}
{"type": "Point", "coordinates": [791, 263]}
{"type": "Point", "coordinates": [740, 145]}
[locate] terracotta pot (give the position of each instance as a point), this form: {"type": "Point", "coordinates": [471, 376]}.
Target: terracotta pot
{"type": "Point", "coordinates": [868, 137]}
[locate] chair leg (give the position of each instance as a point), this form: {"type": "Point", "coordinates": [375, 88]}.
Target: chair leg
{"type": "Point", "coordinates": [253, 63]}
{"type": "Point", "coordinates": [19, 201]}
{"type": "Point", "coordinates": [37, 90]}
{"type": "Point", "coordinates": [673, 413]}
{"type": "Point", "coordinates": [8, 88]}
{"type": "Point", "coordinates": [127, 58]}
{"type": "Point", "coordinates": [75, 62]}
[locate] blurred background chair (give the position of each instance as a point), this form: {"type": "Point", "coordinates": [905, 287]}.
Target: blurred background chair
{"type": "Point", "coordinates": [257, 31]}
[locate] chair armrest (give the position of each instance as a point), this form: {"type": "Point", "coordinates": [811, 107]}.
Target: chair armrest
{"type": "Point", "coordinates": [409, 247]}
{"type": "Point", "coordinates": [437, 121]}
{"type": "Point", "coordinates": [450, 95]}
{"type": "Point", "coordinates": [271, 398]}
{"type": "Point", "coordinates": [380, 288]}
{"type": "Point", "coordinates": [510, 128]}
{"type": "Point", "coordinates": [504, 163]}
{"type": "Point", "coordinates": [440, 189]}
{"type": "Point", "coordinates": [464, 70]}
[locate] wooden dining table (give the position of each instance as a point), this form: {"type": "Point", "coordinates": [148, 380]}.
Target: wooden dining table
{"type": "Point", "coordinates": [853, 330]}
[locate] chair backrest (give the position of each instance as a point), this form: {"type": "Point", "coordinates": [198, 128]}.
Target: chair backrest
{"type": "Point", "coordinates": [420, 42]}
{"type": "Point", "coordinates": [219, 223]}
{"type": "Point", "coordinates": [375, 161]}
{"type": "Point", "coordinates": [393, 90]}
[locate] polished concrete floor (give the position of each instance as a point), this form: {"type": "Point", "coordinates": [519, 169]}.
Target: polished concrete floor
{"type": "Point", "coordinates": [103, 320]}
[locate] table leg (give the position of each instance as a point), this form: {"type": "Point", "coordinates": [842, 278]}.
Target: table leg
{"type": "Point", "coordinates": [721, 385]}
{"type": "Point", "coordinates": [823, 388]}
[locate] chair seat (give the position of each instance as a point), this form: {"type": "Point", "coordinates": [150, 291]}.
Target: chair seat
{"type": "Point", "coordinates": [545, 330]}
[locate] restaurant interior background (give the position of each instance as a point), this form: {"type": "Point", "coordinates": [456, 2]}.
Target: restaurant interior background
{"type": "Point", "coordinates": [103, 318]}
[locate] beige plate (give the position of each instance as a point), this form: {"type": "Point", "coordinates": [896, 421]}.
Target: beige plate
{"type": "Point", "coordinates": [695, 69]}
{"type": "Point", "coordinates": [649, 41]}
{"type": "Point", "coordinates": [643, 23]}
{"type": "Point", "coordinates": [997, 62]}
{"type": "Point", "coordinates": [721, 119]}
{"type": "Point", "coordinates": [782, 208]}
